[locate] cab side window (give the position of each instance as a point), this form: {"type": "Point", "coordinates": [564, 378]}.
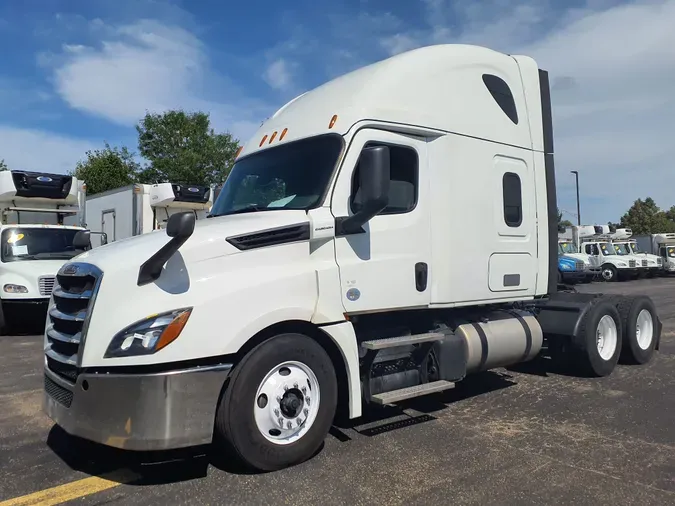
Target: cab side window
{"type": "Point", "coordinates": [403, 183]}
{"type": "Point", "coordinates": [592, 249]}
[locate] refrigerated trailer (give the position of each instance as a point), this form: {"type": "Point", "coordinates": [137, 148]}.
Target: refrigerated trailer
{"type": "Point", "coordinates": [661, 245]}
{"type": "Point", "coordinates": [140, 208]}
{"type": "Point", "coordinates": [381, 237]}
{"type": "Point", "coordinates": [40, 213]}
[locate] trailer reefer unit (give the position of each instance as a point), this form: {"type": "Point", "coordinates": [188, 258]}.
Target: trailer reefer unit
{"type": "Point", "coordinates": [379, 238]}
{"type": "Point", "coordinates": [40, 215]}
{"type": "Point", "coordinates": [141, 208]}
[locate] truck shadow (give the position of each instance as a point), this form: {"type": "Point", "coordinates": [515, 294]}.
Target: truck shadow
{"type": "Point", "coordinates": [164, 467]}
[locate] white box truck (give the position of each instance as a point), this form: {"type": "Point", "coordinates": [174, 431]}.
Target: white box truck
{"type": "Point", "coordinates": [379, 238]}
{"type": "Point", "coordinates": [140, 208]}
{"type": "Point", "coordinates": [40, 215]}
{"type": "Point", "coordinates": [652, 265]}
{"type": "Point", "coordinates": [662, 245]}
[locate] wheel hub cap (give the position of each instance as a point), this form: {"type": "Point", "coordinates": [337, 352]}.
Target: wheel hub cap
{"type": "Point", "coordinates": [606, 337]}
{"type": "Point", "coordinates": [644, 329]}
{"type": "Point", "coordinates": [287, 402]}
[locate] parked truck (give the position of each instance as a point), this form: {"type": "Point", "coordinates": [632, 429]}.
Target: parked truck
{"type": "Point", "coordinates": [570, 269]}
{"type": "Point", "coordinates": [615, 264]}
{"type": "Point", "coordinates": [329, 277]}
{"type": "Point", "coordinates": [652, 264]}
{"type": "Point", "coordinates": [662, 245]}
{"type": "Point", "coordinates": [40, 215]}
{"type": "Point", "coordinates": [140, 208]}
{"type": "Point", "coordinates": [569, 240]}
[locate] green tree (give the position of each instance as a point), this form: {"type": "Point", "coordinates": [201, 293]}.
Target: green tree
{"type": "Point", "coordinates": [3, 165]}
{"type": "Point", "coordinates": [183, 148]}
{"type": "Point", "coordinates": [107, 169]}
{"type": "Point", "coordinates": [645, 217]}
{"type": "Point", "coordinates": [563, 223]}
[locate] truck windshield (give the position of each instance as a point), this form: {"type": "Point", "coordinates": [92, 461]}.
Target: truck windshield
{"type": "Point", "coordinates": [671, 252]}
{"type": "Point", "coordinates": [623, 248]}
{"type": "Point", "coordinates": [37, 244]}
{"type": "Point", "coordinates": [289, 176]}
{"type": "Point", "coordinates": [566, 247]}
{"type": "Point", "coordinates": [634, 248]}
{"type": "Point", "coordinates": [610, 249]}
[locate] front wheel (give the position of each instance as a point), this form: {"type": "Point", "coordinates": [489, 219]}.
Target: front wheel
{"type": "Point", "coordinates": [279, 404]}
{"type": "Point", "coordinates": [609, 273]}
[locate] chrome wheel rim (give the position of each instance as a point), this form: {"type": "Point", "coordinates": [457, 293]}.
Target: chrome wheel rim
{"type": "Point", "coordinates": [287, 402]}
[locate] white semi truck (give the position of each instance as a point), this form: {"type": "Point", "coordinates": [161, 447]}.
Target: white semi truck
{"type": "Point", "coordinates": [40, 215]}
{"type": "Point", "coordinates": [329, 275]}
{"type": "Point", "coordinates": [652, 265]}
{"type": "Point", "coordinates": [140, 208]}
{"type": "Point", "coordinates": [661, 245]}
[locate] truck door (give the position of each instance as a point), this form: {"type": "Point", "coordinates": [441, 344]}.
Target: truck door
{"type": "Point", "coordinates": [108, 224]}
{"type": "Point", "coordinates": [386, 267]}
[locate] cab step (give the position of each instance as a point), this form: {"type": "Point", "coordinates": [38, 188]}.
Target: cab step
{"type": "Point", "coordinates": [411, 392]}
{"type": "Point", "coordinates": [393, 342]}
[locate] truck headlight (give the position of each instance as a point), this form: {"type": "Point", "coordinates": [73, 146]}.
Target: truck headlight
{"type": "Point", "coordinates": [148, 336]}
{"type": "Point", "coordinates": [565, 267]}
{"type": "Point", "coordinates": [9, 288]}
{"type": "Point", "coordinates": [621, 264]}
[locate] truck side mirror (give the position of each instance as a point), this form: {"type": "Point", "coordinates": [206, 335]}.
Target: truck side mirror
{"type": "Point", "coordinates": [374, 177]}
{"type": "Point", "coordinates": [82, 240]}
{"type": "Point", "coordinates": [181, 225]}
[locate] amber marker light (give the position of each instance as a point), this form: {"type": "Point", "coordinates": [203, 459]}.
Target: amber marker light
{"type": "Point", "coordinates": [283, 134]}
{"type": "Point", "coordinates": [273, 136]}
{"type": "Point", "coordinates": [262, 141]}
{"type": "Point", "coordinates": [332, 121]}
{"type": "Point", "coordinates": [173, 329]}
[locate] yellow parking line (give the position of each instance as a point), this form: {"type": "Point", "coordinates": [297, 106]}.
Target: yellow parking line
{"type": "Point", "coordinates": [73, 490]}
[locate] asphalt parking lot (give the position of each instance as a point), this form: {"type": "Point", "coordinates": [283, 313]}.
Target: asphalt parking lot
{"type": "Point", "coordinates": [525, 436]}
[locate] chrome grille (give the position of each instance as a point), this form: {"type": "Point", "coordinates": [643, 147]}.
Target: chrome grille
{"type": "Point", "coordinates": [68, 317]}
{"type": "Point", "coordinates": [631, 263]}
{"type": "Point", "coordinates": [644, 263]}
{"type": "Point", "coordinates": [46, 285]}
{"type": "Point", "coordinates": [579, 266]}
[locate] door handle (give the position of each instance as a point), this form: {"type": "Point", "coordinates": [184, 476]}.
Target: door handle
{"type": "Point", "coordinates": [421, 276]}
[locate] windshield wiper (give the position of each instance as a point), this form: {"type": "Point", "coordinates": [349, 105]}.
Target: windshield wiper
{"type": "Point", "coordinates": [247, 209]}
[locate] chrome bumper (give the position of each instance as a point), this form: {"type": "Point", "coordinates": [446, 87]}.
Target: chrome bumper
{"type": "Point", "coordinates": [156, 411]}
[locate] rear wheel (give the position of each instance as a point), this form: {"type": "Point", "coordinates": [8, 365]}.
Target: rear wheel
{"type": "Point", "coordinates": [600, 341]}
{"type": "Point", "coordinates": [640, 328]}
{"type": "Point", "coordinates": [279, 404]}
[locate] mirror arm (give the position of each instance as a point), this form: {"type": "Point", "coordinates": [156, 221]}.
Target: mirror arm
{"type": "Point", "coordinates": [152, 267]}
{"type": "Point", "coordinates": [349, 225]}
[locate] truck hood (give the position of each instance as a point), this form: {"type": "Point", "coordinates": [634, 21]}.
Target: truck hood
{"type": "Point", "coordinates": [28, 274]}
{"type": "Point", "coordinates": [209, 239]}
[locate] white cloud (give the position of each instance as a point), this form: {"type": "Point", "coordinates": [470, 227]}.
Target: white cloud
{"type": "Point", "coordinates": [278, 75]}
{"type": "Point", "coordinates": [38, 150]}
{"type": "Point", "coordinates": [148, 66]}
{"type": "Point", "coordinates": [612, 69]}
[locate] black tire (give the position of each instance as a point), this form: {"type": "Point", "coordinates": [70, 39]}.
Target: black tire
{"type": "Point", "coordinates": [629, 309]}
{"type": "Point", "coordinates": [609, 273]}
{"type": "Point", "coordinates": [587, 356]}
{"type": "Point", "coordinates": [235, 426]}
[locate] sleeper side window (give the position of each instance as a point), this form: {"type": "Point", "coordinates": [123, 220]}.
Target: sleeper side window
{"type": "Point", "coordinates": [513, 199]}
{"type": "Point", "coordinates": [403, 184]}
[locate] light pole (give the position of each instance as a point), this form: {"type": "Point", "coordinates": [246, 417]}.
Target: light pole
{"type": "Point", "coordinates": [576, 176]}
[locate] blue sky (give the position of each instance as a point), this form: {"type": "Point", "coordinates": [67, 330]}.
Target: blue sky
{"type": "Point", "coordinates": [77, 73]}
